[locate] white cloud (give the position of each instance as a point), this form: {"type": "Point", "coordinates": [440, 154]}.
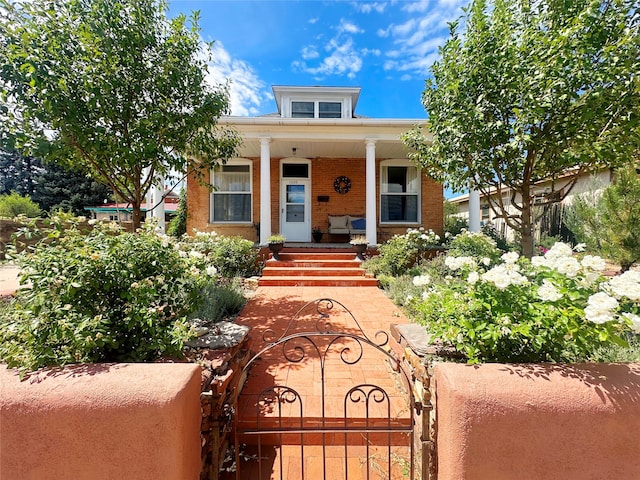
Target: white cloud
{"type": "Point", "coordinates": [309, 53]}
{"type": "Point", "coordinates": [348, 27]}
{"type": "Point", "coordinates": [247, 91]}
{"type": "Point", "coordinates": [314, 20]}
{"type": "Point", "coordinates": [368, 7]}
{"type": "Point", "coordinates": [416, 41]}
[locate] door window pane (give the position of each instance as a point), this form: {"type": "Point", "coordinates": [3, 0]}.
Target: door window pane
{"type": "Point", "coordinates": [295, 193]}
{"type": "Point", "coordinates": [295, 213]}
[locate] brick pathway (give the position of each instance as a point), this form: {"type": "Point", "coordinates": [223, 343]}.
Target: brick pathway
{"type": "Point", "coordinates": [272, 308]}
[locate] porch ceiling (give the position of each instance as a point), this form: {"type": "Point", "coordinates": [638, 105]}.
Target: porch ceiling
{"type": "Point", "coordinates": [321, 138]}
{"type": "Point", "coordinates": [281, 148]}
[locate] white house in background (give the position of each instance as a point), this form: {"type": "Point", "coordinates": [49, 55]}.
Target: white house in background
{"type": "Point", "coordinates": [551, 223]}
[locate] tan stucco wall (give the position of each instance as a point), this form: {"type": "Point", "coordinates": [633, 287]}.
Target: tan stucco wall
{"type": "Point", "coordinates": [99, 422]}
{"type": "Point", "coordinates": [323, 172]}
{"type": "Point", "coordinates": [572, 422]}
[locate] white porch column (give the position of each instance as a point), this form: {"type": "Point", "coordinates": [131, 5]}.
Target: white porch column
{"type": "Point", "coordinates": [370, 210]}
{"type": "Point", "coordinates": [265, 190]}
{"type": "Point", "coordinates": [474, 210]}
{"type": "Point", "coordinates": [158, 203]}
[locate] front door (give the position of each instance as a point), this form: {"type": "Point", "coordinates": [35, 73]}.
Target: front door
{"type": "Point", "coordinates": [295, 223]}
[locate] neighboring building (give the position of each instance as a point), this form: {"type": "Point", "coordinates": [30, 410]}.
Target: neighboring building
{"type": "Point", "coordinates": [122, 212]}
{"type": "Point", "coordinates": [551, 222]}
{"type": "Point", "coordinates": [313, 159]}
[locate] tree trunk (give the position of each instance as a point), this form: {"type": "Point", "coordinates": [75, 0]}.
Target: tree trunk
{"type": "Point", "coordinates": [527, 228]}
{"type": "Point", "coordinates": [136, 217]}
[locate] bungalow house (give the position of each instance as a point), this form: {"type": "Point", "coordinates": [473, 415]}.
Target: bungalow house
{"type": "Point", "coordinates": [315, 165]}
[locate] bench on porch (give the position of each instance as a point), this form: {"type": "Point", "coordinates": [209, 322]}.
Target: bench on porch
{"type": "Point", "coordinates": [347, 225]}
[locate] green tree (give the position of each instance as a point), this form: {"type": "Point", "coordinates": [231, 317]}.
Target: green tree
{"type": "Point", "coordinates": [178, 224]}
{"type": "Point", "coordinates": [112, 87]}
{"type": "Point", "coordinates": [14, 204]}
{"type": "Point", "coordinates": [51, 186]}
{"type": "Point", "coordinates": [532, 91]}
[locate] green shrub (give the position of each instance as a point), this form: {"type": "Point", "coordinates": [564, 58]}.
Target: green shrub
{"type": "Point", "coordinates": [474, 244]}
{"type": "Point", "coordinates": [231, 256]}
{"type": "Point", "coordinates": [217, 301]}
{"type": "Point", "coordinates": [178, 224]}
{"type": "Point", "coordinates": [403, 252]}
{"type": "Point", "coordinates": [13, 204]}
{"type": "Point", "coordinates": [104, 296]}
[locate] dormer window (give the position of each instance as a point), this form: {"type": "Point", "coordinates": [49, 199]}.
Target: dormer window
{"type": "Point", "coordinates": [316, 109]}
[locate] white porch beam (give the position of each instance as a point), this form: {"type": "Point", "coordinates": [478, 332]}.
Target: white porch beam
{"type": "Point", "coordinates": [265, 189]}
{"type": "Point", "coordinates": [370, 211]}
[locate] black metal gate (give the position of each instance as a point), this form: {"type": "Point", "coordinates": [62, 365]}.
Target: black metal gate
{"type": "Point", "coordinates": [308, 410]}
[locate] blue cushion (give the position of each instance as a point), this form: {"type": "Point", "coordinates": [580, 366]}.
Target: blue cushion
{"type": "Point", "coordinates": [359, 224]}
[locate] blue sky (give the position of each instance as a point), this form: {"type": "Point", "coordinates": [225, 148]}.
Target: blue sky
{"type": "Point", "coordinates": [384, 47]}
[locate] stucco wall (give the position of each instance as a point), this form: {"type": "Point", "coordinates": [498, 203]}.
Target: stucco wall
{"type": "Point", "coordinates": [110, 421]}
{"type": "Point", "coordinates": [575, 422]}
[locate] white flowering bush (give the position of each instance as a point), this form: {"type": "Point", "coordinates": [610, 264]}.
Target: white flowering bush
{"type": "Point", "coordinates": [229, 256]}
{"type": "Point", "coordinates": [403, 252]}
{"type": "Point", "coordinates": [556, 308]}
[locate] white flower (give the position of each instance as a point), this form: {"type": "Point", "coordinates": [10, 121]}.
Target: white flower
{"type": "Point", "coordinates": [548, 292]}
{"type": "Point", "coordinates": [541, 262]}
{"type": "Point", "coordinates": [455, 263]}
{"type": "Point", "coordinates": [421, 280]}
{"type": "Point", "coordinates": [626, 285]}
{"type": "Point", "coordinates": [486, 261]}
{"type": "Point", "coordinates": [409, 298]}
{"type": "Point", "coordinates": [196, 254]}
{"type": "Point", "coordinates": [510, 257]}
{"type": "Point", "coordinates": [580, 247]}
{"type": "Point", "coordinates": [568, 266]}
{"type": "Point", "coordinates": [503, 276]}
{"type": "Point", "coordinates": [473, 278]}
{"type": "Point", "coordinates": [559, 250]}
{"type": "Point", "coordinates": [93, 221]}
{"type": "Point", "coordinates": [211, 271]}
{"type": "Point", "coordinates": [600, 308]}
{"type": "Point", "coordinates": [635, 321]}
{"type": "Point", "coordinates": [594, 263]}
{"type": "Point", "coordinates": [596, 315]}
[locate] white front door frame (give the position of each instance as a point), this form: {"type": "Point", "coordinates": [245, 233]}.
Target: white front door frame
{"type": "Point", "coordinates": [295, 210]}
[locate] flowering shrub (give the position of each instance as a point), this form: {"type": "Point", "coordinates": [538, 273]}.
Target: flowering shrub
{"type": "Point", "coordinates": [474, 244]}
{"type": "Point", "coordinates": [403, 252]}
{"type": "Point", "coordinates": [103, 296]}
{"type": "Point", "coordinates": [554, 308]}
{"type": "Point", "coordinates": [230, 256]}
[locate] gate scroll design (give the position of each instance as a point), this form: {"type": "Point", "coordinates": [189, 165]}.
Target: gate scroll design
{"type": "Point", "coordinates": [369, 420]}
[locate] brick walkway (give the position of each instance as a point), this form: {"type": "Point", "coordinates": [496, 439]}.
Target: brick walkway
{"type": "Point", "coordinates": [272, 308]}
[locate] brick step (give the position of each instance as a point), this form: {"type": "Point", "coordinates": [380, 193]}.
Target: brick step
{"type": "Point", "coordinates": [299, 256]}
{"type": "Point", "coordinates": [301, 271]}
{"type": "Point", "coordinates": [314, 264]}
{"type": "Point", "coordinates": [293, 281]}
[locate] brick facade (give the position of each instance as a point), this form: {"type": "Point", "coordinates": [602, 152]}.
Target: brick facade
{"type": "Point", "coordinates": [323, 173]}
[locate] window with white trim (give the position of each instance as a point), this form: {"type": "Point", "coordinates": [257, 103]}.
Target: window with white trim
{"type": "Point", "coordinates": [231, 198]}
{"type": "Point", "coordinates": [399, 192]}
{"type": "Point", "coordinates": [316, 109]}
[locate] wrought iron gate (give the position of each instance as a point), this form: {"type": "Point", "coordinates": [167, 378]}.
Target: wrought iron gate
{"type": "Point", "coordinates": [311, 397]}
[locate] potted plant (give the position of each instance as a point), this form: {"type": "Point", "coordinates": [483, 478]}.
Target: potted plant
{"type": "Point", "coordinates": [360, 244]}
{"type": "Point", "coordinates": [276, 243]}
{"type": "Point", "coordinates": [316, 233]}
